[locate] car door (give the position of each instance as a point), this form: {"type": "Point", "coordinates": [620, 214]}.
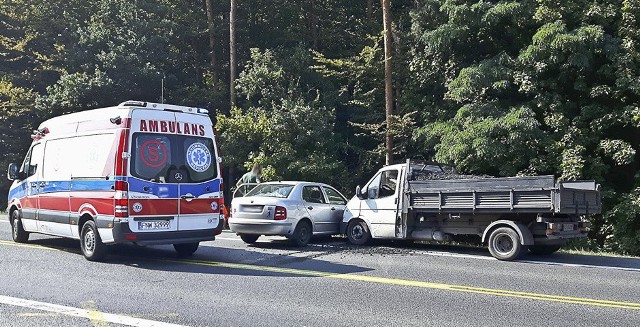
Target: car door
{"type": "Point", "coordinates": [318, 208]}
{"type": "Point", "coordinates": [338, 204]}
{"type": "Point", "coordinates": [381, 203]}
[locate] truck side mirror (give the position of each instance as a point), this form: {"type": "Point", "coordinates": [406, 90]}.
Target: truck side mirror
{"type": "Point", "coordinates": [13, 173]}
{"type": "Point", "coordinates": [359, 193]}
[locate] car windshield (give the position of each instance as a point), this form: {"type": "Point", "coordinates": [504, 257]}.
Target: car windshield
{"type": "Point", "coordinates": [272, 190]}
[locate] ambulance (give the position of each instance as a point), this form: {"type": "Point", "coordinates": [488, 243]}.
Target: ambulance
{"type": "Point", "coordinates": [142, 173]}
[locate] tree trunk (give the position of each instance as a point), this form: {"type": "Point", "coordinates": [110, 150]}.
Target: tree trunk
{"type": "Point", "coordinates": [212, 39]}
{"type": "Point", "coordinates": [232, 53]}
{"type": "Point", "coordinates": [388, 73]}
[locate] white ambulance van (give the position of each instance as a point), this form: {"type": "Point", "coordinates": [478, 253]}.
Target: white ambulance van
{"type": "Point", "coordinates": [143, 173]}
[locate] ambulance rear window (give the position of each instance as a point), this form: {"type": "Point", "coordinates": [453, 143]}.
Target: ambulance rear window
{"type": "Point", "coordinates": [168, 158]}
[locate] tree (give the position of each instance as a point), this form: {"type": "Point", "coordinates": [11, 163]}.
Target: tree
{"type": "Point", "coordinates": [388, 78]}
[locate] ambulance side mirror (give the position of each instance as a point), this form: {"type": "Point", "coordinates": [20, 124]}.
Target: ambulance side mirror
{"type": "Point", "coordinates": [13, 173]}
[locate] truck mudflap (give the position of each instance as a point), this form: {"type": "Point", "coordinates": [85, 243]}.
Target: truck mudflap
{"type": "Point", "coordinates": [123, 234]}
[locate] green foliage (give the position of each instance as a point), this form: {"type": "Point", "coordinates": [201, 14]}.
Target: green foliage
{"type": "Point", "coordinates": [499, 87]}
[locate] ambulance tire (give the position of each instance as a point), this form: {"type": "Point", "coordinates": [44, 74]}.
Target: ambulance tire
{"type": "Point", "coordinates": [18, 234]}
{"type": "Point", "coordinates": [186, 249]}
{"type": "Point", "coordinates": [90, 242]}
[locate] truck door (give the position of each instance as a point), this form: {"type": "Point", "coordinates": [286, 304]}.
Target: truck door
{"type": "Point", "coordinates": [381, 203]}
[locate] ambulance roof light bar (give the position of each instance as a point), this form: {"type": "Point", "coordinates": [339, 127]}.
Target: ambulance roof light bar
{"type": "Point", "coordinates": [165, 107]}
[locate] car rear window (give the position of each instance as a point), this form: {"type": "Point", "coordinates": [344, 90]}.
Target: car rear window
{"type": "Point", "coordinates": [272, 190]}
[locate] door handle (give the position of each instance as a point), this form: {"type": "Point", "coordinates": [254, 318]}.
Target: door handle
{"type": "Point", "coordinates": [310, 207]}
{"type": "Point", "coordinates": [333, 208]}
{"type": "Point", "coordinates": [189, 197]}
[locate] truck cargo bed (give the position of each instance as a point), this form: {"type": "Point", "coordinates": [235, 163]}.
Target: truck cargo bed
{"type": "Point", "coordinates": [528, 194]}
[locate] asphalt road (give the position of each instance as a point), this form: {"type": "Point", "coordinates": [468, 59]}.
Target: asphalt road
{"type": "Point", "coordinates": [47, 282]}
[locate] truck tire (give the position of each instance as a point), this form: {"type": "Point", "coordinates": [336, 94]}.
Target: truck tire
{"type": "Point", "coordinates": [302, 234]}
{"type": "Point", "coordinates": [92, 247]}
{"type": "Point", "coordinates": [358, 232]}
{"type": "Point", "coordinates": [249, 238]}
{"type": "Point", "coordinates": [504, 244]}
{"type": "Point", "coordinates": [544, 249]}
{"type": "Point", "coordinates": [18, 233]}
{"type": "Point", "coordinates": [186, 249]}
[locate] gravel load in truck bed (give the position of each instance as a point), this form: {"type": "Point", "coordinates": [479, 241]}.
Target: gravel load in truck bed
{"type": "Point", "coordinates": [429, 175]}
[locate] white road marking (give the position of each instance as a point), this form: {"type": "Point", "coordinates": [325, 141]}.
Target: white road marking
{"type": "Point", "coordinates": [227, 238]}
{"type": "Point", "coordinates": [83, 313]}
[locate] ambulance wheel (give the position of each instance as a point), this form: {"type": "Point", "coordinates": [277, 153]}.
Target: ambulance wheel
{"type": "Point", "coordinates": [358, 232]}
{"type": "Point", "coordinates": [186, 249]}
{"type": "Point", "coordinates": [18, 233]}
{"type": "Point", "coordinates": [249, 238]}
{"type": "Point", "coordinates": [92, 247]}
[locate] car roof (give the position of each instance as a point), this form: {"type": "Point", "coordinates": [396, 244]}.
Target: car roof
{"type": "Point", "coordinates": [298, 183]}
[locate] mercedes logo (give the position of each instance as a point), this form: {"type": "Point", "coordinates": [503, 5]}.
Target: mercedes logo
{"type": "Point", "coordinates": [178, 176]}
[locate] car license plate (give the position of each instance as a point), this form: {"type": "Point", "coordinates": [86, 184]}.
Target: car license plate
{"type": "Point", "coordinates": [153, 225]}
{"type": "Point", "coordinates": [568, 227]}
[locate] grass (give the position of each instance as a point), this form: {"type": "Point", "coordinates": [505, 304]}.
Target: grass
{"type": "Point", "coordinates": [577, 251]}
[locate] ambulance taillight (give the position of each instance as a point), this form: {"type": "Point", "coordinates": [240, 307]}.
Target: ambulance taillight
{"type": "Point", "coordinates": [121, 199]}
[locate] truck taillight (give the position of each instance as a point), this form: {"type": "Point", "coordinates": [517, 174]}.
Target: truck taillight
{"type": "Point", "coordinates": [280, 213]}
{"type": "Point", "coordinates": [121, 199]}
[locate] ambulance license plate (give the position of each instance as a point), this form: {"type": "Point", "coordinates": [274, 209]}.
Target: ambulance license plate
{"type": "Point", "coordinates": [153, 225]}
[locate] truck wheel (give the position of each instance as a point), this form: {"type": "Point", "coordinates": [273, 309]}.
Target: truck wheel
{"type": "Point", "coordinates": [302, 234]}
{"type": "Point", "coordinates": [358, 232]}
{"type": "Point", "coordinates": [18, 233]}
{"type": "Point", "coordinates": [249, 238]}
{"type": "Point", "coordinates": [92, 247]}
{"type": "Point", "coordinates": [504, 244]}
{"type": "Point", "coordinates": [186, 249]}
{"type": "Point", "coordinates": [544, 249]}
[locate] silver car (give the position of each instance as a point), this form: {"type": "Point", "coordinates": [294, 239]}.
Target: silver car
{"type": "Point", "coordinates": [296, 210]}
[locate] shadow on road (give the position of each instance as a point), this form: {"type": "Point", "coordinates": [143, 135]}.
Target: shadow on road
{"type": "Point", "coordinates": [209, 259]}
{"type": "Point", "coordinates": [164, 257]}
{"type": "Point", "coordinates": [584, 260]}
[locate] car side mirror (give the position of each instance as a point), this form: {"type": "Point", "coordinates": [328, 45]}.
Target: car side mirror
{"type": "Point", "coordinates": [359, 193]}
{"type": "Point", "coordinates": [13, 173]}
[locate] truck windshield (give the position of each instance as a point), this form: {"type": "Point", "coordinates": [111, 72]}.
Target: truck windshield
{"type": "Point", "coordinates": [169, 158]}
{"type": "Point", "coordinates": [272, 190]}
